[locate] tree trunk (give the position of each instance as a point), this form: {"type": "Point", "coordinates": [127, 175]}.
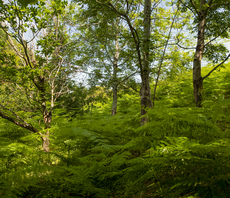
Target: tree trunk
{"type": "Point", "coordinates": [145, 92]}
{"type": "Point", "coordinates": [115, 61]}
{"type": "Point", "coordinates": [114, 107]}
{"type": "Point", "coordinates": [46, 141]}
{"type": "Point", "coordinates": [47, 117]}
{"type": "Point", "coordinates": [162, 59]}
{"type": "Point", "coordinates": [197, 78]}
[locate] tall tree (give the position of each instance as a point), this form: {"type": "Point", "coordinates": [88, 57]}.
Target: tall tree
{"type": "Point", "coordinates": [137, 17]}
{"type": "Point", "coordinates": [128, 11]}
{"type": "Point", "coordinates": [145, 68]}
{"type": "Point", "coordinates": [34, 82]}
{"type": "Point", "coordinates": [115, 68]}
{"type": "Point", "coordinates": [162, 57]}
{"type": "Point", "coordinates": [211, 22]}
{"type": "Point", "coordinates": [104, 52]}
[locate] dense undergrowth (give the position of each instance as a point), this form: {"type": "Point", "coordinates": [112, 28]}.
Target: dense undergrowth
{"type": "Point", "coordinates": [182, 151]}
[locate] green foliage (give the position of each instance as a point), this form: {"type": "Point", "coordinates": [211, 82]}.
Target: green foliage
{"type": "Point", "coordinates": [182, 151]}
{"type": "Point", "coordinates": [27, 2]}
{"type": "Point", "coordinates": [216, 87]}
{"type": "Point", "coordinates": [215, 53]}
{"type": "Point", "coordinates": [175, 92]}
{"type": "Point", "coordinates": [73, 103]}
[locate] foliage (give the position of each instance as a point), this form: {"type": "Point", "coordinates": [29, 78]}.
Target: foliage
{"type": "Point", "coordinates": [182, 151]}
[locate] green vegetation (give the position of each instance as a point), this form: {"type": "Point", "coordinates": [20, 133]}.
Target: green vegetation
{"type": "Point", "coordinates": [142, 123]}
{"type": "Point", "coordinates": [181, 152]}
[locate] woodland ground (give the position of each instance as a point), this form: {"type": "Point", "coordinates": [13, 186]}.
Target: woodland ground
{"type": "Point", "coordinates": [182, 151]}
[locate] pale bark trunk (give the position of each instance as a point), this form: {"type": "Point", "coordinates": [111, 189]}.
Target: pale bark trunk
{"type": "Point", "coordinates": [197, 78]}
{"type": "Point", "coordinates": [47, 116]}
{"type": "Point", "coordinates": [115, 62]}
{"type": "Point", "coordinates": [145, 87]}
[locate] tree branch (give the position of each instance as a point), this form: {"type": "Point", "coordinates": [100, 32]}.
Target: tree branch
{"type": "Point", "coordinates": [183, 47]}
{"type": "Point", "coordinates": [131, 88]}
{"type": "Point", "coordinates": [134, 35]}
{"type": "Point", "coordinates": [217, 36]}
{"type": "Point", "coordinates": [126, 78]}
{"type": "Point", "coordinates": [162, 59]}
{"type": "Point", "coordinates": [189, 8]}
{"type": "Point", "coordinates": [213, 5]}
{"type": "Point", "coordinates": [14, 47]}
{"type": "Point", "coordinates": [23, 125]}
{"type": "Point", "coordinates": [216, 67]}
{"type": "Point", "coordinates": [193, 5]}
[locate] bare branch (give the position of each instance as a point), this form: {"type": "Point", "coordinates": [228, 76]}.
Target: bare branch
{"type": "Point", "coordinates": [162, 59]}
{"type": "Point", "coordinates": [216, 4]}
{"type": "Point", "coordinates": [196, 12]}
{"type": "Point", "coordinates": [131, 88]}
{"type": "Point", "coordinates": [216, 67]}
{"type": "Point", "coordinates": [126, 78]}
{"type": "Point", "coordinates": [217, 36]}
{"type": "Point", "coordinates": [184, 47]}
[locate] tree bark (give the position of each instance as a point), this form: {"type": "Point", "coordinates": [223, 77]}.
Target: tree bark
{"type": "Point", "coordinates": [197, 78]}
{"type": "Point", "coordinates": [143, 61]}
{"type": "Point", "coordinates": [47, 117]}
{"type": "Point", "coordinates": [145, 92]}
{"type": "Point", "coordinates": [115, 62]}
{"type": "Point", "coordinates": [114, 107]}
{"type": "Point", "coordinates": [20, 122]}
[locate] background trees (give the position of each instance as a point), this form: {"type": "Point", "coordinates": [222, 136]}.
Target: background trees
{"type": "Point", "coordinates": [125, 47]}
{"type": "Point", "coordinates": [140, 34]}
{"type": "Point", "coordinates": [36, 73]}
{"type": "Point", "coordinates": [104, 53]}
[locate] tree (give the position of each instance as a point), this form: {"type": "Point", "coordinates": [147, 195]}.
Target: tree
{"type": "Point", "coordinates": [40, 75]}
{"type": "Point", "coordinates": [162, 57]}
{"type": "Point", "coordinates": [145, 68]}
{"type": "Point", "coordinates": [105, 54]}
{"type": "Point", "coordinates": [137, 17]}
{"type": "Point", "coordinates": [211, 22]}
{"type": "Point", "coordinates": [125, 10]}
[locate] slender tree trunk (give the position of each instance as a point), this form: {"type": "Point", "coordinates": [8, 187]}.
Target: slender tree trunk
{"type": "Point", "coordinates": [115, 61]}
{"type": "Point", "coordinates": [197, 78]}
{"type": "Point", "coordinates": [145, 92]}
{"type": "Point", "coordinates": [162, 59]}
{"type": "Point", "coordinates": [114, 107]}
